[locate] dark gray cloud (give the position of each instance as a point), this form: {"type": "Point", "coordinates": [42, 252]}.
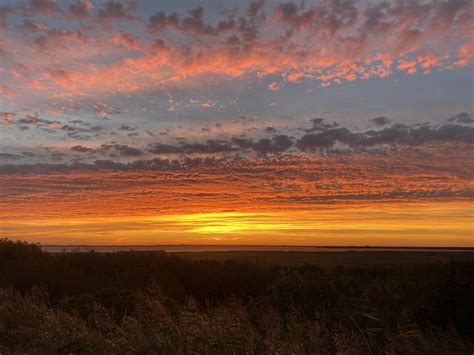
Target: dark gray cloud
{"type": "Point", "coordinates": [9, 156]}
{"type": "Point", "coordinates": [263, 146]}
{"type": "Point", "coordinates": [127, 128]}
{"type": "Point", "coordinates": [81, 133]}
{"type": "Point", "coordinates": [56, 155]}
{"type": "Point", "coordinates": [276, 145]}
{"type": "Point", "coordinates": [148, 164]}
{"type": "Point", "coordinates": [452, 132]}
{"type": "Point", "coordinates": [210, 147]}
{"type": "Point", "coordinates": [5, 12]}
{"type": "Point", "coordinates": [289, 12]}
{"type": "Point", "coordinates": [160, 20]}
{"type": "Point", "coordinates": [80, 8]}
{"type": "Point", "coordinates": [75, 129]}
{"type": "Point", "coordinates": [380, 121]}
{"type": "Point", "coordinates": [255, 9]}
{"type": "Point", "coordinates": [397, 134]}
{"type": "Point", "coordinates": [333, 17]}
{"type": "Point", "coordinates": [462, 117]}
{"type": "Point", "coordinates": [240, 29]}
{"type": "Point", "coordinates": [271, 130]}
{"type": "Point", "coordinates": [319, 124]}
{"type": "Point", "coordinates": [121, 150]}
{"type": "Point", "coordinates": [119, 9]}
{"type": "Point", "coordinates": [320, 137]}
{"type": "Point", "coordinates": [112, 150]}
{"type": "Point", "coordinates": [330, 19]}
{"type": "Point", "coordinates": [81, 149]}
{"type": "Point", "coordinates": [314, 141]}
{"type": "Point", "coordinates": [193, 22]}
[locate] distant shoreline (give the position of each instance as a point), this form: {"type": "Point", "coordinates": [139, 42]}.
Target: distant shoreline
{"type": "Point", "coordinates": [52, 248]}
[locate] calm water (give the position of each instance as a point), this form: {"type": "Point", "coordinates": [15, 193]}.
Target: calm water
{"type": "Point", "coordinates": [201, 248]}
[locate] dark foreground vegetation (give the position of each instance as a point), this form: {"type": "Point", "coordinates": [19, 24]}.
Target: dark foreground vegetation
{"type": "Point", "coordinates": [151, 302]}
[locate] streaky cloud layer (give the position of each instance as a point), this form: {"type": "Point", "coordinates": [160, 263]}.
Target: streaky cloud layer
{"type": "Point", "coordinates": [408, 198]}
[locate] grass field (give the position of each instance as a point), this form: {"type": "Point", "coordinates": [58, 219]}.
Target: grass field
{"type": "Point", "coordinates": [274, 302]}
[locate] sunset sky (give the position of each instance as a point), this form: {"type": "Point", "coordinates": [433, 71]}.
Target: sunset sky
{"type": "Point", "coordinates": [237, 122]}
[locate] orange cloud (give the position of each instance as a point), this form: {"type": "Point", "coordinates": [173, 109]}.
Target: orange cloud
{"type": "Point", "coordinates": [276, 184]}
{"type": "Point", "coordinates": [331, 44]}
{"type": "Point", "coordinates": [409, 197]}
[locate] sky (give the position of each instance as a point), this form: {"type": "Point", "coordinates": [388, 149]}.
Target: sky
{"type": "Point", "coordinates": [251, 122]}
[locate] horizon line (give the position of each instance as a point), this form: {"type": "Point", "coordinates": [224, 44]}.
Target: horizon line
{"type": "Point", "coordinates": [254, 245]}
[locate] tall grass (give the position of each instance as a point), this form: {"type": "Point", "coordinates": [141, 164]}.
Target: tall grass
{"type": "Point", "coordinates": [144, 303]}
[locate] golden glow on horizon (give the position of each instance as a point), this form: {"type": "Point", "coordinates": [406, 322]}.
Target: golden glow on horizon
{"type": "Point", "coordinates": [385, 224]}
{"type": "Point", "coordinates": [401, 199]}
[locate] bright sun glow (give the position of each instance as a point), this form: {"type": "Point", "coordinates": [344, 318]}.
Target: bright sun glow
{"type": "Point", "coordinates": [382, 224]}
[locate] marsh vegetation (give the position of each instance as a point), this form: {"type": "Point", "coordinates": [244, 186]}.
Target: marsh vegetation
{"type": "Point", "coordinates": [153, 302]}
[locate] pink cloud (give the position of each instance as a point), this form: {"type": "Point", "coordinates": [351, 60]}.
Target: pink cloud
{"type": "Point", "coordinates": [6, 117]}
{"type": "Point", "coordinates": [332, 43]}
{"type": "Point", "coordinates": [273, 86]}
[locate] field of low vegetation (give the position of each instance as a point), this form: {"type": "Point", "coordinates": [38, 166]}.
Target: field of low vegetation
{"type": "Point", "coordinates": [156, 303]}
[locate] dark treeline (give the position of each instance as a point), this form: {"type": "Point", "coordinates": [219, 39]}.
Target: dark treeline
{"type": "Point", "coordinates": [152, 302]}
